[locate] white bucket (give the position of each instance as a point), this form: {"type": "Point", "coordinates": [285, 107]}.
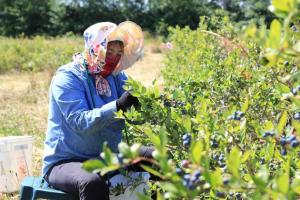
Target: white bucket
{"type": "Point", "coordinates": [15, 161]}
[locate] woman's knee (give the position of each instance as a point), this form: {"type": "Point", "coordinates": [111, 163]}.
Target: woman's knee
{"type": "Point", "coordinates": [93, 186]}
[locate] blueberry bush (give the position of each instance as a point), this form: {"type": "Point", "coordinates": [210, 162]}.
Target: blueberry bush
{"type": "Point", "coordinates": [226, 125]}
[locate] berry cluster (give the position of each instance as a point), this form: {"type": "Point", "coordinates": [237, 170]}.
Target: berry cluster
{"type": "Point", "coordinates": [173, 103]}
{"type": "Point", "coordinates": [214, 143]}
{"type": "Point", "coordinates": [191, 180]}
{"type": "Point", "coordinates": [186, 140]}
{"type": "Point", "coordinates": [220, 159]}
{"type": "Point", "coordinates": [285, 140]}
{"type": "Point", "coordinates": [237, 115]}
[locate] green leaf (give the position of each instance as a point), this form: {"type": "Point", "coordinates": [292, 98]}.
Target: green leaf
{"type": "Point", "coordinates": [92, 165]}
{"type": "Point", "coordinates": [296, 47]}
{"type": "Point", "coordinates": [196, 151]}
{"type": "Point", "coordinates": [107, 169]}
{"type": "Point", "coordinates": [186, 121]}
{"type": "Point", "coordinates": [234, 161]}
{"type": "Point", "coordinates": [245, 105]}
{"type": "Point", "coordinates": [283, 183]}
{"type": "Point", "coordinates": [275, 31]}
{"type": "Point", "coordinates": [151, 171]}
{"type": "Point", "coordinates": [283, 5]}
{"type": "Point", "coordinates": [246, 156]}
{"type": "Point", "coordinates": [169, 187]}
{"type": "Point", "coordinates": [296, 185]}
{"type": "Point", "coordinates": [282, 122]}
{"type": "Point", "coordinates": [296, 125]}
{"type": "Point", "coordinates": [216, 178]}
{"type": "Point", "coordinates": [124, 149]}
{"type": "Point", "coordinates": [261, 177]}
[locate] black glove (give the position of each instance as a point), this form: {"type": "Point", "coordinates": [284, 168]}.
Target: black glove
{"type": "Point", "coordinates": [126, 101]}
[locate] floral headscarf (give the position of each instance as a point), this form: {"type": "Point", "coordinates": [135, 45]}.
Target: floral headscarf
{"type": "Point", "coordinates": [96, 38]}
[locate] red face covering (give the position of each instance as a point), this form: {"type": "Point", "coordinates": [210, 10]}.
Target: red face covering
{"type": "Point", "coordinates": [111, 62]}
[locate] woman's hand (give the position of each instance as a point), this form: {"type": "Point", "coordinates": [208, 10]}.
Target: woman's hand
{"type": "Point", "coordinates": [126, 101]}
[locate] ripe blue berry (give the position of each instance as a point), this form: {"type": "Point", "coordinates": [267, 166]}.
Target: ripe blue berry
{"type": "Point", "coordinates": [295, 91]}
{"type": "Point", "coordinates": [186, 136]}
{"type": "Point", "coordinates": [282, 141]}
{"type": "Point", "coordinates": [186, 143]}
{"type": "Point", "coordinates": [214, 144]}
{"type": "Point", "coordinates": [286, 63]}
{"type": "Point", "coordinates": [225, 181]}
{"type": "Point", "coordinates": [197, 173]}
{"type": "Point", "coordinates": [283, 152]}
{"type": "Point", "coordinates": [179, 171]}
{"type": "Point", "coordinates": [220, 194]}
{"type": "Point", "coordinates": [297, 116]}
{"type": "Point", "coordinates": [290, 138]}
{"type": "Point", "coordinates": [186, 177]}
{"type": "Point", "coordinates": [294, 143]}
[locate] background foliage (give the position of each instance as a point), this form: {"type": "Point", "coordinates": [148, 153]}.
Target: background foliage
{"type": "Point", "coordinates": [54, 17]}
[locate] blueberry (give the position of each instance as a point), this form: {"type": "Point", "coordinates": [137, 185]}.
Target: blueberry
{"type": "Point", "coordinates": [186, 143]}
{"type": "Point", "coordinates": [186, 177]}
{"type": "Point", "coordinates": [225, 181]}
{"type": "Point", "coordinates": [167, 104]}
{"type": "Point", "coordinates": [286, 63]}
{"type": "Point", "coordinates": [283, 152]}
{"type": "Point", "coordinates": [238, 195]}
{"type": "Point", "coordinates": [268, 133]}
{"type": "Point", "coordinates": [240, 113]}
{"type": "Point", "coordinates": [294, 143]}
{"type": "Point", "coordinates": [197, 173]}
{"type": "Point", "coordinates": [214, 144]}
{"type": "Point", "coordinates": [184, 112]}
{"type": "Point", "coordinates": [294, 91]}
{"type": "Point", "coordinates": [220, 194]}
{"type": "Point", "coordinates": [186, 137]}
{"type": "Point", "coordinates": [179, 171]}
{"type": "Point", "coordinates": [215, 157]}
{"type": "Point", "coordinates": [282, 141]}
{"type": "Point", "coordinates": [290, 138]}
{"type": "Point", "coordinates": [237, 118]}
{"type": "Point", "coordinates": [297, 116]}
{"type": "Point", "coordinates": [194, 179]}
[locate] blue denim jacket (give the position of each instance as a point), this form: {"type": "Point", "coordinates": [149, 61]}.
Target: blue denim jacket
{"type": "Point", "coordinates": [79, 120]}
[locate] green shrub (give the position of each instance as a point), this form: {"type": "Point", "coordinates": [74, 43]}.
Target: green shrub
{"type": "Point", "coordinates": [227, 123]}
{"type": "Point", "coordinates": [37, 54]}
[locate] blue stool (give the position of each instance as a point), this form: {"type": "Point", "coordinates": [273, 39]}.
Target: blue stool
{"type": "Point", "coordinates": [36, 187]}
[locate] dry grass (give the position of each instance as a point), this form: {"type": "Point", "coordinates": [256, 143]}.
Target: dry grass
{"type": "Point", "coordinates": [24, 102]}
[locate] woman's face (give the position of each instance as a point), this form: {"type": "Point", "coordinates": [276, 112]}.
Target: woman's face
{"type": "Point", "coordinates": [114, 52]}
{"type": "Point", "coordinates": [115, 49]}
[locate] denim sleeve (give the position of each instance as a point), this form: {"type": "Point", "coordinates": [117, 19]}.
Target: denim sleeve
{"type": "Point", "coordinates": [69, 94]}
{"type": "Point", "coordinates": [122, 78]}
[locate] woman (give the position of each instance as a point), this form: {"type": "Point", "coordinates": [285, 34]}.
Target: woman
{"type": "Point", "coordinates": [84, 95]}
